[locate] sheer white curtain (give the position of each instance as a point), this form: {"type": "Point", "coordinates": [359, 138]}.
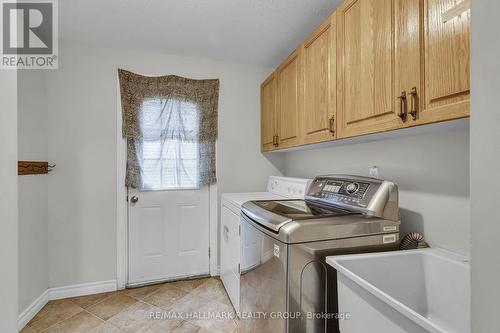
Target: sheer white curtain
{"type": "Point", "coordinates": [169, 154]}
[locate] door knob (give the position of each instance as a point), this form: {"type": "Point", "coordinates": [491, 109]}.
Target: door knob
{"type": "Point", "coordinates": [134, 199]}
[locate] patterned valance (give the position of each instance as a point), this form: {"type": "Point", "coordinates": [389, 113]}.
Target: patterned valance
{"type": "Point", "coordinates": [172, 92]}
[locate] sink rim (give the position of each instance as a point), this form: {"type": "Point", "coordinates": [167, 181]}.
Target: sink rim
{"type": "Point", "coordinates": [426, 323]}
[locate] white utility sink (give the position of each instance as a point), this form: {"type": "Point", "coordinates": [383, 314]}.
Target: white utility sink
{"type": "Point", "coordinates": [426, 290]}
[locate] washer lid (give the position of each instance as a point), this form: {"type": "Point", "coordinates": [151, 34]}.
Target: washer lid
{"type": "Point", "coordinates": [273, 214]}
{"type": "Point", "coordinates": [299, 209]}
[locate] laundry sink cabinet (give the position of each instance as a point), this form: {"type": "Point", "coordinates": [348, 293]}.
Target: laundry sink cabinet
{"type": "Point", "coordinates": [425, 290]}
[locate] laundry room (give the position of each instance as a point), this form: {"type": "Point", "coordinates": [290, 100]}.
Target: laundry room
{"type": "Point", "coordinates": [278, 166]}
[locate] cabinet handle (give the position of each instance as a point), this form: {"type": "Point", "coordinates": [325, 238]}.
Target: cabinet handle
{"type": "Point", "coordinates": [226, 232]}
{"type": "Point", "coordinates": [414, 103]}
{"type": "Point", "coordinates": [332, 124]}
{"type": "Point", "coordinates": [277, 140]}
{"type": "Point", "coordinates": [274, 140]}
{"type": "Point", "coordinates": [403, 112]}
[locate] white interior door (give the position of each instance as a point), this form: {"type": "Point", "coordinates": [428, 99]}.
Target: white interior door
{"type": "Point", "coordinates": [168, 234]}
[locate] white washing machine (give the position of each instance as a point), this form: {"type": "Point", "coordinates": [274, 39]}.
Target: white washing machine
{"type": "Point", "coordinates": [234, 241]}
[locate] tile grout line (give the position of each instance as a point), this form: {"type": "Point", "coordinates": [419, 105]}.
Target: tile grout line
{"type": "Point", "coordinates": [104, 321]}
{"type": "Point", "coordinates": [155, 306]}
{"type": "Point", "coordinates": [57, 323]}
{"type": "Point", "coordinates": [71, 299]}
{"type": "Point", "coordinates": [147, 295]}
{"type": "Point", "coordinates": [156, 291]}
{"type": "Point", "coordinates": [90, 313]}
{"type": "Point", "coordinates": [187, 293]}
{"type": "Point", "coordinates": [140, 300]}
{"type": "Point", "coordinates": [122, 310]}
{"type": "Point", "coordinates": [98, 302]}
{"type": "Point", "coordinates": [207, 298]}
{"type": "Point", "coordinates": [87, 311]}
{"type": "Point", "coordinates": [190, 293]}
{"type": "Point", "coordinates": [117, 292]}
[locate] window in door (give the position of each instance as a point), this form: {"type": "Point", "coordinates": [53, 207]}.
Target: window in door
{"type": "Point", "coordinates": [170, 149]}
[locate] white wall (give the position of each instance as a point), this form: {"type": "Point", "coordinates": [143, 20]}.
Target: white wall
{"type": "Point", "coordinates": [8, 201]}
{"type": "Point", "coordinates": [485, 166]}
{"type": "Point", "coordinates": [82, 98]}
{"type": "Point", "coordinates": [33, 215]}
{"type": "Point", "coordinates": [431, 169]}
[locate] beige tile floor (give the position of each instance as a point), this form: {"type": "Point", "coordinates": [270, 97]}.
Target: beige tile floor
{"type": "Point", "coordinates": [130, 310]}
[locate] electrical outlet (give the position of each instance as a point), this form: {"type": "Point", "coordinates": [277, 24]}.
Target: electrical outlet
{"type": "Point", "coordinates": [276, 250]}
{"type": "Point", "coordinates": [373, 172]}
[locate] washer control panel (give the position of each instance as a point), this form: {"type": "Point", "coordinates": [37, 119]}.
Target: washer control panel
{"type": "Point", "coordinates": [346, 188]}
{"type": "Point", "coordinates": [350, 192]}
{"type": "Point", "coordinates": [369, 196]}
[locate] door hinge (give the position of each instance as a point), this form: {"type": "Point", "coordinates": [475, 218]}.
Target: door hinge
{"type": "Point", "coordinates": [239, 269]}
{"type": "Point", "coordinates": [126, 199]}
{"type": "Point", "coordinates": [209, 252]}
{"type": "Point", "coordinates": [239, 230]}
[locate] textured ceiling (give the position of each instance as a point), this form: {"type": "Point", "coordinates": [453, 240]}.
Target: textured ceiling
{"type": "Point", "coordinates": [259, 32]}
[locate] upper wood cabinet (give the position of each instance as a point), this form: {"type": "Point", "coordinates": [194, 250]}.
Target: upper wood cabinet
{"type": "Point", "coordinates": [371, 66]}
{"type": "Point", "coordinates": [280, 105]}
{"type": "Point", "coordinates": [365, 74]}
{"type": "Point", "coordinates": [446, 64]}
{"type": "Point", "coordinates": [432, 62]}
{"type": "Point", "coordinates": [319, 83]}
{"type": "Point", "coordinates": [407, 56]}
{"type": "Point", "coordinates": [269, 110]}
{"type": "Point", "coordinates": [289, 89]}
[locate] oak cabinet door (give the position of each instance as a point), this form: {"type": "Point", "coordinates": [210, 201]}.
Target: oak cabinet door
{"type": "Point", "coordinates": [446, 63]}
{"type": "Point", "coordinates": [366, 99]}
{"type": "Point", "coordinates": [289, 87]}
{"type": "Point", "coordinates": [408, 55]}
{"type": "Point", "coordinates": [318, 108]}
{"type": "Point", "coordinates": [269, 108]}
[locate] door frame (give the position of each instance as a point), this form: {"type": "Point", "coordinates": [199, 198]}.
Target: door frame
{"type": "Point", "coordinates": [122, 208]}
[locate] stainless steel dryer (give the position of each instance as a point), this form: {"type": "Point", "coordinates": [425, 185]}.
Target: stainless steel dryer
{"type": "Point", "coordinates": [290, 288]}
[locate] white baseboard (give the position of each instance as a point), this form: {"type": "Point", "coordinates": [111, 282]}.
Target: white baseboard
{"type": "Point", "coordinates": [82, 289]}
{"type": "Point", "coordinates": [63, 292]}
{"type": "Point", "coordinates": [32, 310]}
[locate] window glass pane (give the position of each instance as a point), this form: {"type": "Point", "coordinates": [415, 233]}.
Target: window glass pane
{"type": "Point", "coordinates": [170, 155]}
